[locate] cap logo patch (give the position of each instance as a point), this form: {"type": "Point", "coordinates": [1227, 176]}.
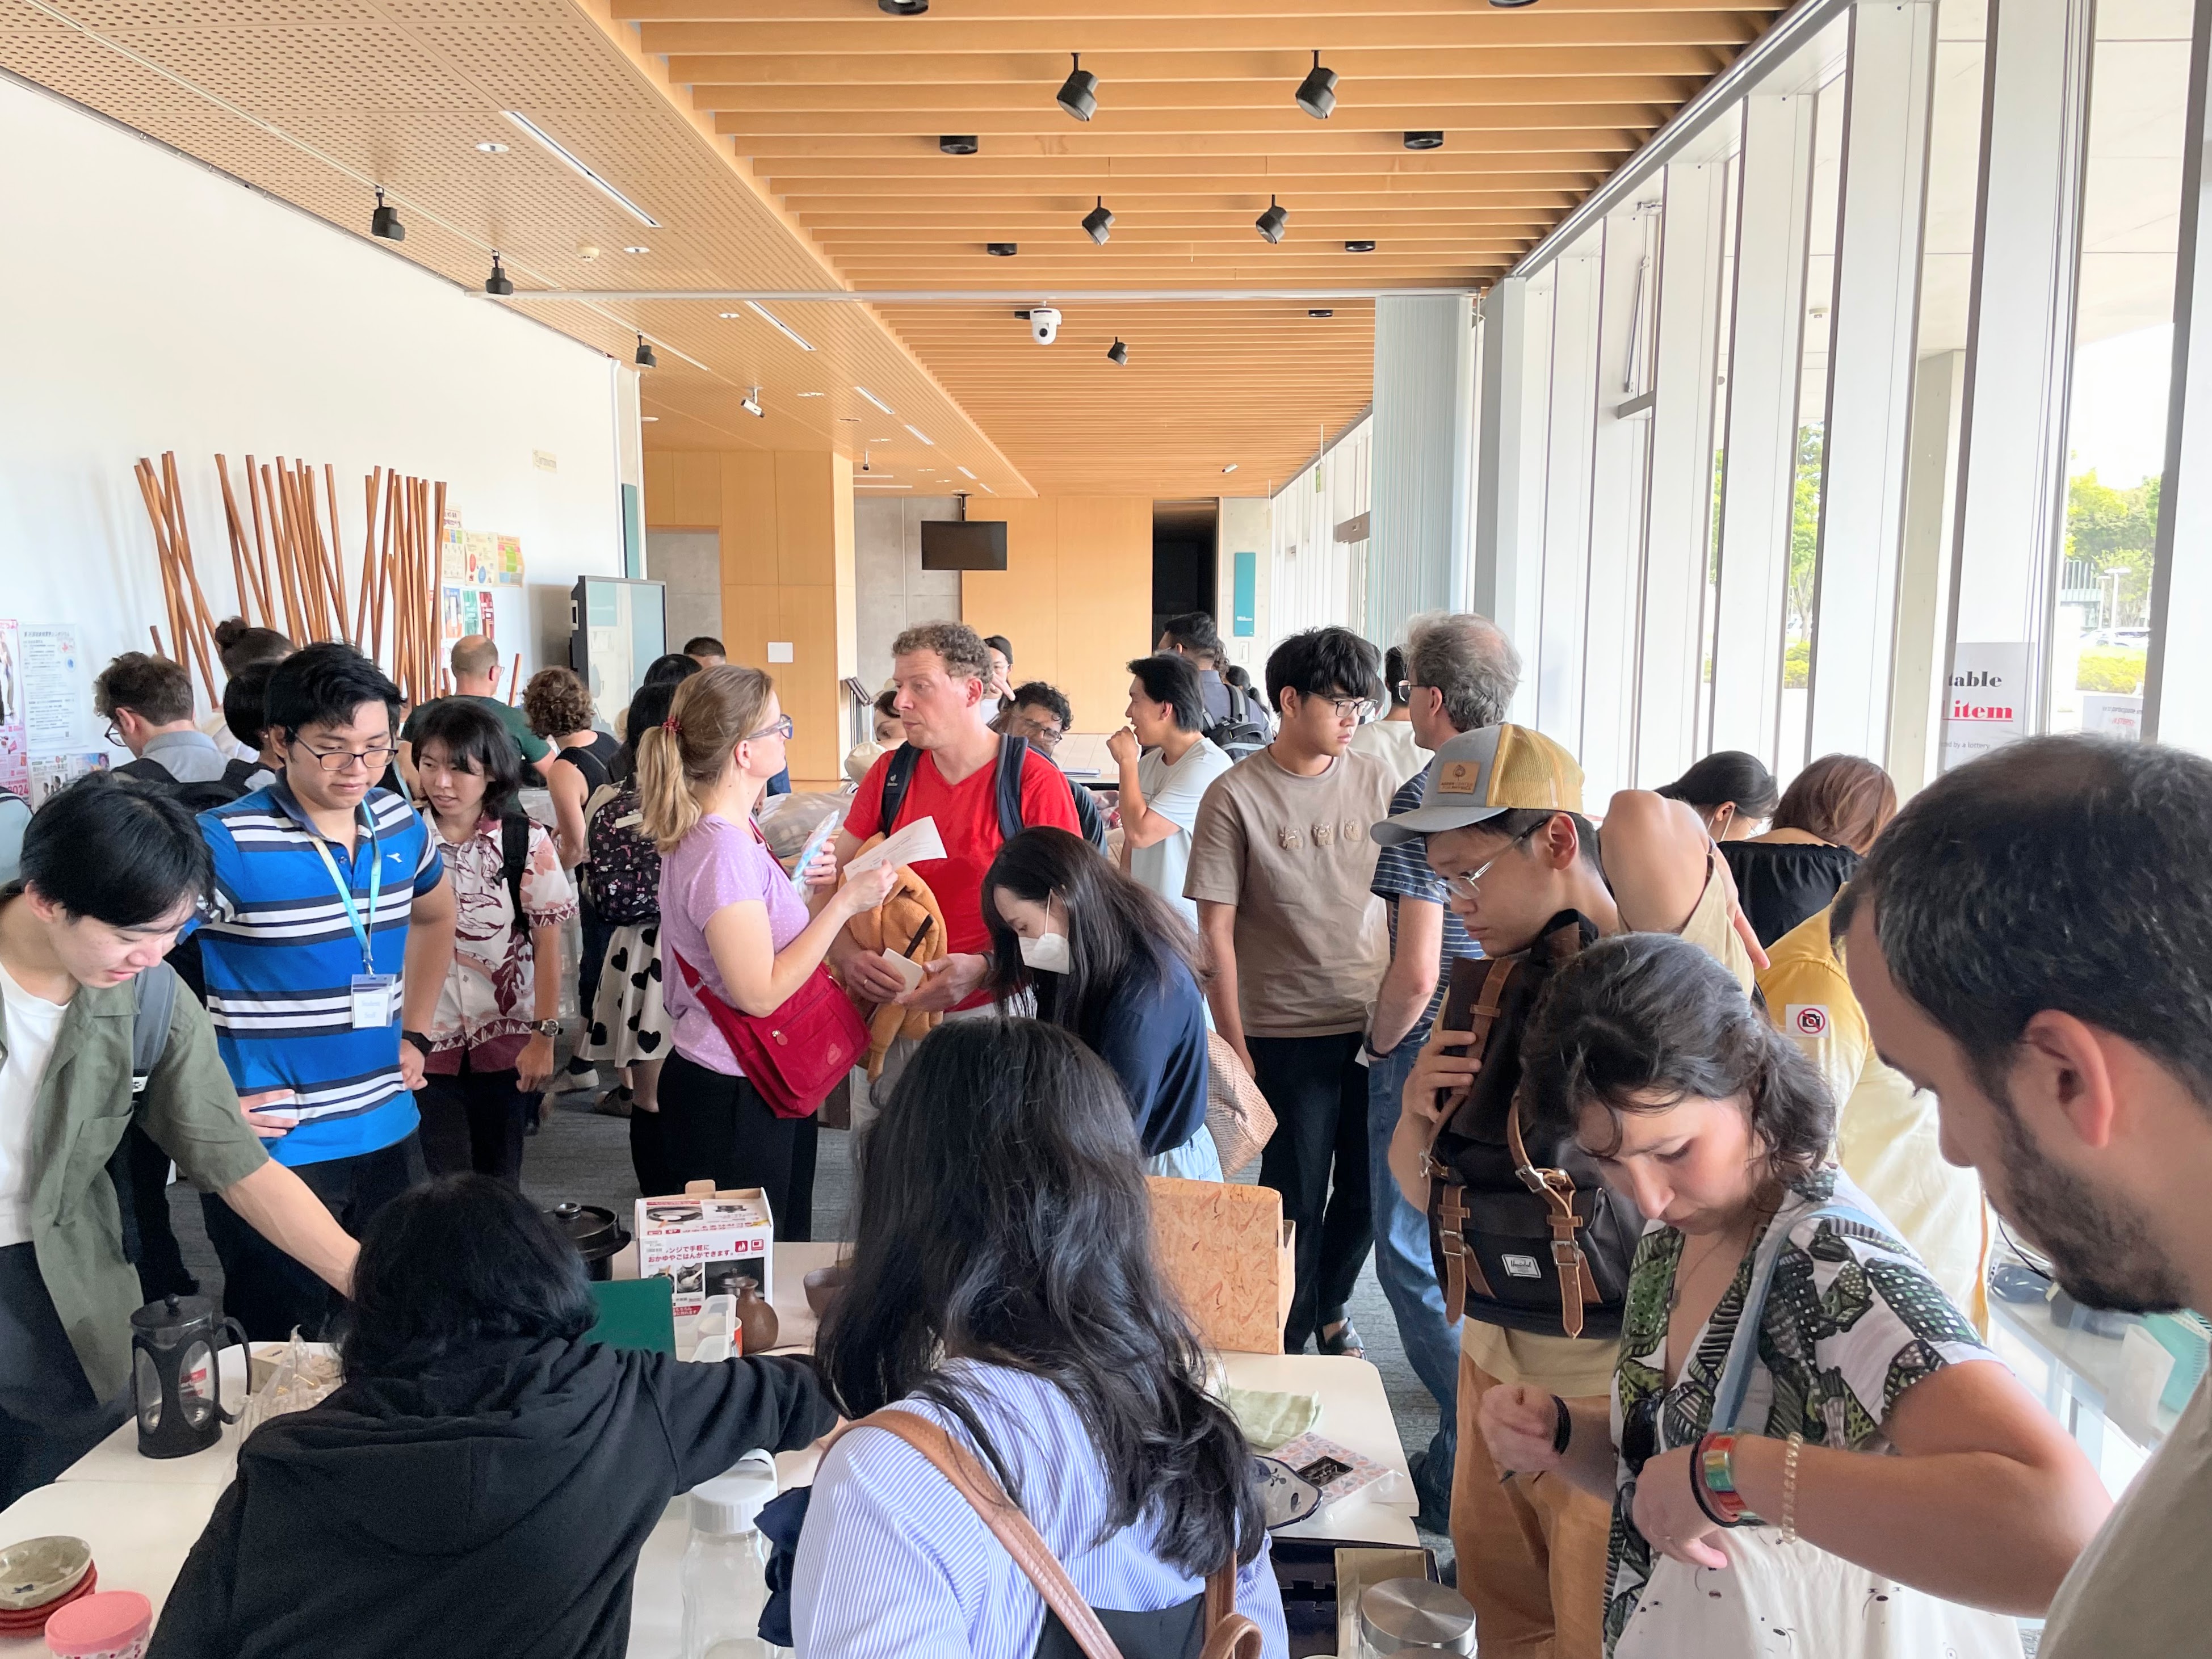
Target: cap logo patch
{"type": "Point", "coordinates": [1459, 777]}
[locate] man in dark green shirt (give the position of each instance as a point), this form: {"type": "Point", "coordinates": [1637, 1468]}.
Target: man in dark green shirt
{"type": "Point", "coordinates": [111, 872]}
{"type": "Point", "coordinates": [476, 674]}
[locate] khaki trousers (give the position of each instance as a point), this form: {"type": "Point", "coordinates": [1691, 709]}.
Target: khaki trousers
{"type": "Point", "coordinates": [1531, 1551]}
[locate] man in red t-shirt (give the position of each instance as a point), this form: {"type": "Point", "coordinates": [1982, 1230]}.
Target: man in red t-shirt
{"type": "Point", "coordinates": [943, 671]}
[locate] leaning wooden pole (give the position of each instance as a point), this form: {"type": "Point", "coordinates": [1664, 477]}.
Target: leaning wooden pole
{"type": "Point", "coordinates": [170, 599]}
{"type": "Point", "coordinates": [265, 579]}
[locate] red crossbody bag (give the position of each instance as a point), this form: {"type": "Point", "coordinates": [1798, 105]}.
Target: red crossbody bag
{"type": "Point", "coordinates": [794, 1056]}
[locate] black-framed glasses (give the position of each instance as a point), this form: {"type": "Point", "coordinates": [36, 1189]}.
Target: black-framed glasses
{"type": "Point", "coordinates": [1640, 1433]}
{"type": "Point", "coordinates": [782, 728]}
{"type": "Point", "coordinates": [1038, 731]}
{"type": "Point", "coordinates": [374, 758]}
{"type": "Point", "coordinates": [1358, 709]}
{"type": "Point", "coordinates": [115, 738]}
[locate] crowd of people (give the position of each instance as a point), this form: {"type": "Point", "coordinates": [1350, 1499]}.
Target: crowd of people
{"type": "Point", "coordinates": [1667, 1123]}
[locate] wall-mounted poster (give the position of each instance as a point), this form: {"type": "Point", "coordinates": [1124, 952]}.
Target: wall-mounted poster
{"type": "Point", "coordinates": [483, 553]}
{"type": "Point", "coordinates": [57, 691]}
{"type": "Point", "coordinates": [51, 774]}
{"type": "Point", "coordinates": [453, 557]}
{"type": "Point", "coordinates": [1987, 707]}
{"type": "Point", "coordinates": [11, 678]}
{"type": "Point", "coordinates": [508, 572]}
{"type": "Point", "coordinates": [449, 614]}
{"type": "Point", "coordinates": [15, 761]}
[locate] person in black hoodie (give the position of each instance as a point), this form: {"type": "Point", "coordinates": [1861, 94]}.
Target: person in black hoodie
{"type": "Point", "coordinates": [483, 1481]}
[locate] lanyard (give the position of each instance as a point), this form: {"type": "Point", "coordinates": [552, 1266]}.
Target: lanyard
{"type": "Point", "coordinates": [345, 891]}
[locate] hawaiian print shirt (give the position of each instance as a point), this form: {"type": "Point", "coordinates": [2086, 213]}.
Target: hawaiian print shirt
{"type": "Point", "coordinates": [491, 998]}
{"type": "Point", "coordinates": [1852, 1320]}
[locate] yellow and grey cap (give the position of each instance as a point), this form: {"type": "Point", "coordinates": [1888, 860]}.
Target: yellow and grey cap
{"type": "Point", "coordinates": [1480, 774]}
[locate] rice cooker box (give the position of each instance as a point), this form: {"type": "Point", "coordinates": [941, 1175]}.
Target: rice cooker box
{"type": "Point", "coordinates": [704, 1240]}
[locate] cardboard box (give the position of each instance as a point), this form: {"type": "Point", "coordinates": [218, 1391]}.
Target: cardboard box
{"type": "Point", "coordinates": [700, 1236]}
{"type": "Point", "coordinates": [1227, 1254]}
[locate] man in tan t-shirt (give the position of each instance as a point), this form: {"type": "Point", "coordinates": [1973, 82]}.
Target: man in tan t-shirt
{"type": "Point", "coordinates": [1502, 816]}
{"type": "Point", "coordinates": [1280, 864]}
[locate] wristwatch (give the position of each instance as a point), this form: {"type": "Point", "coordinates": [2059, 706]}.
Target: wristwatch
{"type": "Point", "coordinates": [546, 1028]}
{"type": "Point", "coordinates": [418, 1040]}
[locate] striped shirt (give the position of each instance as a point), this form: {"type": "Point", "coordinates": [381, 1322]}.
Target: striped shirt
{"type": "Point", "coordinates": [1402, 871]}
{"type": "Point", "coordinates": [894, 1564]}
{"type": "Point", "coordinates": [281, 956]}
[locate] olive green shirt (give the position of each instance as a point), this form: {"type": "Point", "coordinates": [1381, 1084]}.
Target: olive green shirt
{"type": "Point", "coordinates": [84, 1103]}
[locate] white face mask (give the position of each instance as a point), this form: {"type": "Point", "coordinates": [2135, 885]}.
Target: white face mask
{"type": "Point", "coordinates": [1049, 954]}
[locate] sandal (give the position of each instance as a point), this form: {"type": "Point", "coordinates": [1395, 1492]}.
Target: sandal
{"type": "Point", "coordinates": [616, 1102]}
{"type": "Point", "coordinates": [1345, 1342]}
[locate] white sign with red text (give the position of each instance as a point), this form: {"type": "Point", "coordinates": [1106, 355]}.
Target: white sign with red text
{"type": "Point", "coordinates": [1987, 707]}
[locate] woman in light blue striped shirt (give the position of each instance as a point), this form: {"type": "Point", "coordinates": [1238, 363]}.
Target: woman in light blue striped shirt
{"type": "Point", "coordinates": [1003, 1286]}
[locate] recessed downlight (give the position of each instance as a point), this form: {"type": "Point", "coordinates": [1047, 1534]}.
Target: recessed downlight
{"type": "Point", "coordinates": [959, 143]}
{"type": "Point", "coordinates": [1424, 141]}
{"type": "Point", "coordinates": [492, 147]}
{"type": "Point", "coordinates": [1232, 467]}
{"type": "Point", "coordinates": [637, 247]}
{"type": "Point", "coordinates": [902, 8]}
{"type": "Point", "coordinates": [1320, 311]}
{"type": "Point", "coordinates": [1002, 250]}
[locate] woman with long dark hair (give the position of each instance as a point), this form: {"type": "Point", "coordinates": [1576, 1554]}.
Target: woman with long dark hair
{"type": "Point", "coordinates": [1855, 1413]}
{"type": "Point", "coordinates": [1733, 792]}
{"type": "Point", "coordinates": [1107, 961]}
{"type": "Point", "coordinates": [1003, 1287]}
{"type": "Point", "coordinates": [487, 1472]}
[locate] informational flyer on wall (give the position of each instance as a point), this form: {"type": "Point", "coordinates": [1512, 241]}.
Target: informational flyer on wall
{"type": "Point", "coordinates": [56, 691]}
{"type": "Point", "coordinates": [51, 774]}
{"type": "Point", "coordinates": [508, 570]}
{"type": "Point", "coordinates": [1987, 707]}
{"type": "Point", "coordinates": [452, 549]}
{"type": "Point", "coordinates": [14, 754]}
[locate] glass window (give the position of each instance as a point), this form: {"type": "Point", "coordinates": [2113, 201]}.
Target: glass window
{"type": "Point", "coordinates": [1725, 333]}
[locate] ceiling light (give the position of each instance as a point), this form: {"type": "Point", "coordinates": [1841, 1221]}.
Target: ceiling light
{"type": "Point", "coordinates": [810, 394]}
{"type": "Point", "coordinates": [498, 282]}
{"type": "Point", "coordinates": [1364, 245]}
{"type": "Point", "coordinates": [1510, 5]}
{"type": "Point", "coordinates": [554, 148]}
{"type": "Point", "coordinates": [778, 324]}
{"type": "Point", "coordinates": [586, 252]}
{"type": "Point", "coordinates": [637, 247]}
{"type": "Point", "coordinates": [1320, 311]}
{"type": "Point", "coordinates": [645, 357]}
{"type": "Point", "coordinates": [1424, 141]}
{"type": "Point", "coordinates": [1316, 93]}
{"type": "Point", "coordinates": [874, 399]}
{"type": "Point", "coordinates": [1099, 221]}
{"type": "Point", "coordinates": [985, 488]}
{"type": "Point", "coordinates": [1002, 250]}
{"type": "Point", "coordinates": [729, 316]}
{"type": "Point", "coordinates": [959, 143]}
{"type": "Point", "coordinates": [385, 222]}
{"type": "Point", "coordinates": [964, 472]}
{"type": "Point", "coordinates": [1117, 354]}
{"type": "Point", "coordinates": [927, 441]}
{"type": "Point", "coordinates": [492, 146]}
{"type": "Point", "coordinates": [903, 8]}
{"type": "Point", "coordinates": [1232, 467]}
{"type": "Point", "coordinates": [751, 405]}
{"type": "Point", "coordinates": [648, 417]}
{"type": "Point", "coordinates": [1079, 94]}
{"type": "Point", "coordinates": [1270, 224]}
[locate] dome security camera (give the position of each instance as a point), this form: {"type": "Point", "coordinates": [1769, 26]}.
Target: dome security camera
{"type": "Point", "coordinates": [1044, 325]}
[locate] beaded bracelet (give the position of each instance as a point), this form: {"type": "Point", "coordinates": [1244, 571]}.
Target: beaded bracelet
{"type": "Point", "coordinates": [1789, 1488]}
{"type": "Point", "coordinates": [1712, 1471]}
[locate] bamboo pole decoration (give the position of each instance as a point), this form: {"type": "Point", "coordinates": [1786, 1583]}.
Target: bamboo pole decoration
{"type": "Point", "coordinates": [200, 625]}
{"type": "Point", "coordinates": [151, 493]}
{"type": "Point", "coordinates": [514, 679]}
{"type": "Point", "coordinates": [337, 554]}
{"type": "Point", "coordinates": [237, 541]}
{"type": "Point", "coordinates": [157, 633]}
{"type": "Point", "coordinates": [367, 566]}
{"type": "Point", "coordinates": [281, 535]}
{"type": "Point", "coordinates": [264, 582]}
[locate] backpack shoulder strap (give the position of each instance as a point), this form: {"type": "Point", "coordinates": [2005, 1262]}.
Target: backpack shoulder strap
{"type": "Point", "coordinates": [896, 776]}
{"type": "Point", "coordinates": [1013, 757]}
{"type": "Point", "coordinates": [1007, 1523]}
{"type": "Point", "coordinates": [146, 770]}
{"type": "Point", "coordinates": [154, 1004]}
{"type": "Point", "coordinates": [514, 858]}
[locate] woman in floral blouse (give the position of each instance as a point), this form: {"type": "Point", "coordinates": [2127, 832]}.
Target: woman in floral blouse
{"type": "Point", "coordinates": [1873, 1420]}
{"type": "Point", "coordinates": [491, 1042]}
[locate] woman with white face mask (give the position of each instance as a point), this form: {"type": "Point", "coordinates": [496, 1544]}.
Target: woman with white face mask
{"type": "Point", "coordinates": [1108, 962]}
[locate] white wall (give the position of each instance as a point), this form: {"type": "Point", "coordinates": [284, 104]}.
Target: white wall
{"type": "Point", "coordinates": [893, 592]}
{"type": "Point", "coordinates": [147, 303]}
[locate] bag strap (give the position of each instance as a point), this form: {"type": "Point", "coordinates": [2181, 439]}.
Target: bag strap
{"type": "Point", "coordinates": [514, 858]}
{"type": "Point", "coordinates": [1013, 757]}
{"type": "Point", "coordinates": [896, 776]}
{"type": "Point", "coordinates": [146, 770]}
{"type": "Point", "coordinates": [1462, 1267]}
{"type": "Point", "coordinates": [1743, 1346]}
{"type": "Point", "coordinates": [154, 1004]}
{"type": "Point", "coordinates": [1578, 1286]}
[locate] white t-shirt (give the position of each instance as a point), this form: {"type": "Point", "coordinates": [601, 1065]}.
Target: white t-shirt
{"type": "Point", "coordinates": [33, 1023]}
{"type": "Point", "coordinates": [1174, 792]}
{"type": "Point", "coordinates": [1392, 742]}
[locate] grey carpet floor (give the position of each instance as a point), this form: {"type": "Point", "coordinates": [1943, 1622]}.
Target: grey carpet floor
{"type": "Point", "coordinates": [578, 1155]}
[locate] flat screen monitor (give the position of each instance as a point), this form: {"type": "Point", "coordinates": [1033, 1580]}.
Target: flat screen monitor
{"type": "Point", "coordinates": [964, 544]}
{"type": "Point", "coordinates": [619, 627]}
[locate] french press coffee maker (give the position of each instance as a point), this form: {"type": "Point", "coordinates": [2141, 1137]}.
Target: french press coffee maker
{"type": "Point", "coordinates": [175, 1382]}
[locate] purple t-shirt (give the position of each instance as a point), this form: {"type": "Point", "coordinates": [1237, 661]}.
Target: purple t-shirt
{"type": "Point", "coordinates": [719, 863]}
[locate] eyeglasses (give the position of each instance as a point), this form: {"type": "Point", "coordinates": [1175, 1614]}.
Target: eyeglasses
{"type": "Point", "coordinates": [115, 738]}
{"type": "Point", "coordinates": [1357, 708]}
{"type": "Point", "coordinates": [1464, 884]}
{"type": "Point", "coordinates": [782, 729]}
{"type": "Point", "coordinates": [1038, 732]}
{"type": "Point", "coordinates": [374, 758]}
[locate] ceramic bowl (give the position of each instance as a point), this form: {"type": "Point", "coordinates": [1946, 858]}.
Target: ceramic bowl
{"type": "Point", "coordinates": [36, 1571]}
{"type": "Point", "coordinates": [823, 1286]}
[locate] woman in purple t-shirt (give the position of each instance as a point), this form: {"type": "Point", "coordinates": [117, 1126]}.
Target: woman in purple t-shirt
{"type": "Point", "coordinates": [728, 910]}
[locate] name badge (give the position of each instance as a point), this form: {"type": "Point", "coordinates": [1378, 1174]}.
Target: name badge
{"type": "Point", "coordinates": [375, 1000]}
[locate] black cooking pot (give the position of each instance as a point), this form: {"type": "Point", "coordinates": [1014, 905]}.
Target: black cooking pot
{"type": "Point", "coordinates": [596, 1234]}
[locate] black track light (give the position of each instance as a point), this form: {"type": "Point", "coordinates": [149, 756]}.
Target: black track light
{"type": "Point", "coordinates": [959, 143]}
{"type": "Point", "coordinates": [1079, 94]}
{"type": "Point", "coordinates": [1320, 311]}
{"type": "Point", "coordinates": [1099, 221]}
{"type": "Point", "coordinates": [385, 222]}
{"type": "Point", "coordinates": [498, 282]}
{"type": "Point", "coordinates": [1117, 354]}
{"type": "Point", "coordinates": [1316, 93]}
{"type": "Point", "coordinates": [1002, 250]}
{"type": "Point", "coordinates": [645, 357]}
{"type": "Point", "coordinates": [1424, 141]}
{"type": "Point", "coordinates": [1362, 246]}
{"type": "Point", "coordinates": [903, 8]}
{"type": "Point", "coordinates": [1512, 4]}
{"type": "Point", "coordinates": [1270, 224]}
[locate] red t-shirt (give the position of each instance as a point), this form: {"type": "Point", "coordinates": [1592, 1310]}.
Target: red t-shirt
{"type": "Point", "coordinates": [967, 815]}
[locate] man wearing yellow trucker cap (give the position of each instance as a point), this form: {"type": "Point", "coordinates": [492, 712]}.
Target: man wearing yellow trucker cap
{"type": "Point", "coordinates": [1503, 823]}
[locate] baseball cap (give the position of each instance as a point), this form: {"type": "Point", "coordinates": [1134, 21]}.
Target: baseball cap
{"type": "Point", "coordinates": [1480, 774]}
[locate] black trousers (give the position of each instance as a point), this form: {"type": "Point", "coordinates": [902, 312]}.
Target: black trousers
{"type": "Point", "coordinates": [598, 932]}
{"type": "Point", "coordinates": [140, 1169]}
{"type": "Point", "coordinates": [1317, 1161]}
{"type": "Point", "coordinates": [648, 1156]}
{"type": "Point", "coordinates": [475, 1120]}
{"type": "Point", "coordinates": [717, 1126]}
{"type": "Point", "coordinates": [267, 1291]}
{"type": "Point", "coordinates": [48, 1416]}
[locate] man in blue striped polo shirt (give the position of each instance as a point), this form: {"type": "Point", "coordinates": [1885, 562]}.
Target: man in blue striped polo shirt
{"type": "Point", "coordinates": [326, 943]}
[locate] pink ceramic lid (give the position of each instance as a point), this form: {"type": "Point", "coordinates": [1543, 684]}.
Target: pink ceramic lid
{"type": "Point", "coordinates": [99, 1624]}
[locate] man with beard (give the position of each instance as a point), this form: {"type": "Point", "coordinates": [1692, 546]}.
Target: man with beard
{"type": "Point", "coordinates": [2031, 938]}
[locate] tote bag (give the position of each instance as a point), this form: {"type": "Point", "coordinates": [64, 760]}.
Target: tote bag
{"type": "Point", "coordinates": [1794, 1600]}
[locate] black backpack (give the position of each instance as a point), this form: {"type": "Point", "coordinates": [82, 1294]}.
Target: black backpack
{"type": "Point", "coordinates": [195, 797]}
{"type": "Point", "coordinates": [1543, 1247]}
{"type": "Point", "coordinates": [514, 858]}
{"type": "Point", "coordinates": [1013, 755]}
{"type": "Point", "coordinates": [1242, 732]}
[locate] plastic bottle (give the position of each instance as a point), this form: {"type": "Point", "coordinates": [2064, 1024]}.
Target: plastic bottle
{"type": "Point", "coordinates": [725, 1576]}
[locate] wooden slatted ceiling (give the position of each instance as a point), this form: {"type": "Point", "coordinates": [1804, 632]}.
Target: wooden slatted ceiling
{"type": "Point", "coordinates": [792, 143]}
{"type": "Point", "coordinates": [838, 109]}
